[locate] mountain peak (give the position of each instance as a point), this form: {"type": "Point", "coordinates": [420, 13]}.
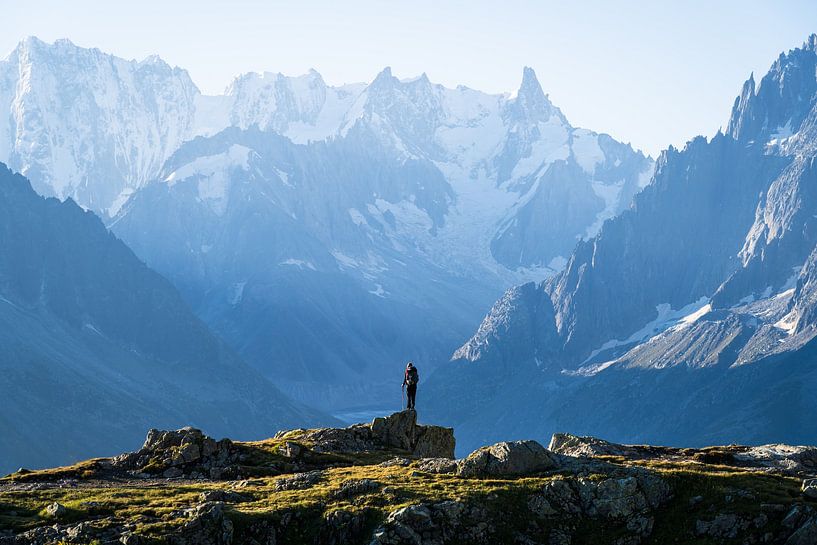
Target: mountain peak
{"type": "Point", "coordinates": [30, 43]}
{"type": "Point", "coordinates": [530, 87]}
{"type": "Point", "coordinates": [782, 98]}
{"type": "Point", "coordinates": [383, 81]}
{"type": "Point", "coordinates": [531, 101]}
{"type": "Point", "coordinates": [384, 74]}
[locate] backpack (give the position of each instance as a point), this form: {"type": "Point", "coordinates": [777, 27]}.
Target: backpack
{"type": "Point", "coordinates": [412, 376]}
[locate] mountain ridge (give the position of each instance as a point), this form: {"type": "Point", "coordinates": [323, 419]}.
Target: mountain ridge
{"type": "Point", "coordinates": [95, 344]}
{"type": "Point", "coordinates": [703, 286]}
{"type": "Point", "coordinates": [398, 209]}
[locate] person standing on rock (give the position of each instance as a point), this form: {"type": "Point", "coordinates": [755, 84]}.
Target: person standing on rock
{"type": "Point", "coordinates": [410, 380]}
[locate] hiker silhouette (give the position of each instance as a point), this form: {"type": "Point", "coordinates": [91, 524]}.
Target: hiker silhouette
{"type": "Point", "coordinates": [410, 380]}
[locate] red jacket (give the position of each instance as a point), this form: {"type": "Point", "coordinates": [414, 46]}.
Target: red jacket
{"type": "Point", "coordinates": [406, 377]}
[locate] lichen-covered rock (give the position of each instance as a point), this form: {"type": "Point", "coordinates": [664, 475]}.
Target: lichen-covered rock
{"type": "Point", "coordinates": [396, 461]}
{"type": "Point", "coordinates": [507, 458]}
{"type": "Point", "coordinates": [785, 458]}
{"type": "Point", "coordinates": [299, 481]}
{"type": "Point", "coordinates": [178, 453]}
{"type": "Point", "coordinates": [56, 510]}
{"type": "Point", "coordinates": [573, 445]}
{"type": "Point", "coordinates": [434, 442]}
{"type": "Point", "coordinates": [226, 496]}
{"type": "Point", "coordinates": [208, 526]}
{"type": "Point", "coordinates": [341, 526]}
{"type": "Point", "coordinates": [435, 524]}
{"type": "Point", "coordinates": [398, 431]}
{"type": "Point", "coordinates": [437, 465]}
{"type": "Point", "coordinates": [351, 488]}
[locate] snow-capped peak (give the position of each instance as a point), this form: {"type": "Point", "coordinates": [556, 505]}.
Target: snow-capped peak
{"type": "Point", "coordinates": [147, 109]}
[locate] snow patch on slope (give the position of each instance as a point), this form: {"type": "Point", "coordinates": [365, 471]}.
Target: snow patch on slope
{"type": "Point", "coordinates": [213, 173]}
{"type": "Point", "coordinates": [667, 317]}
{"type": "Point", "coordinates": [611, 195]}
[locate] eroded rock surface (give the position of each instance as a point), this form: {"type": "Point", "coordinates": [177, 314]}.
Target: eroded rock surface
{"type": "Point", "coordinates": [180, 453]}
{"type": "Point", "coordinates": [398, 431]}
{"type": "Point", "coordinates": [507, 458]}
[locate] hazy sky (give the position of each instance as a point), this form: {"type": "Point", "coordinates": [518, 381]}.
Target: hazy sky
{"type": "Point", "coordinates": [651, 73]}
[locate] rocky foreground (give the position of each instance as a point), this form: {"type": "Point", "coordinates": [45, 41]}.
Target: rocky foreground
{"type": "Point", "coordinates": [396, 482]}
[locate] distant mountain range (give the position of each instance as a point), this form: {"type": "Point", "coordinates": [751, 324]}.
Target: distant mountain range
{"type": "Point", "coordinates": [328, 234]}
{"type": "Point", "coordinates": [95, 348]}
{"type": "Point", "coordinates": [688, 319]}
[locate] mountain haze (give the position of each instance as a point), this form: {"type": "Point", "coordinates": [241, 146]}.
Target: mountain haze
{"type": "Point", "coordinates": [688, 318]}
{"type": "Point", "coordinates": [327, 233]}
{"type": "Point", "coordinates": [95, 346]}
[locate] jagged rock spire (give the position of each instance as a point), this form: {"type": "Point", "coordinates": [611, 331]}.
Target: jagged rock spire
{"type": "Point", "coordinates": [741, 110]}
{"type": "Point", "coordinates": [531, 102]}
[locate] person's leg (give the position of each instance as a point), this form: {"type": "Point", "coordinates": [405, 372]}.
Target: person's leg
{"type": "Point", "coordinates": [412, 392]}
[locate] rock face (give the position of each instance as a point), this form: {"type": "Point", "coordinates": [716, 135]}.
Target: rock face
{"type": "Point", "coordinates": [208, 526]}
{"type": "Point", "coordinates": [626, 504]}
{"type": "Point", "coordinates": [398, 431]}
{"type": "Point", "coordinates": [706, 285]}
{"type": "Point", "coordinates": [507, 458]}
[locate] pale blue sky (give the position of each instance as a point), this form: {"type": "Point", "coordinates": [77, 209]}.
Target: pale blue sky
{"type": "Point", "coordinates": [651, 73]}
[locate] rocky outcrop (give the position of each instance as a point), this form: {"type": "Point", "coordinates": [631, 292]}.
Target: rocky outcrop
{"type": "Point", "coordinates": [434, 524]}
{"type": "Point", "coordinates": [208, 526]}
{"type": "Point", "coordinates": [788, 459]}
{"type": "Point", "coordinates": [438, 465]}
{"type": "Point", "coordinates": [785, 458]}
{"type": "Point", "coordinates": [399, 431]}
{"type": "Point", "coordinates": [507, 458]}
{"type": "Point", "coordinates": [516, 492]}
{"type": "Point", "coordinates": [299, 481]}
{"type": "Point", "coordinates": [180, 453]}
{"type": "Point", "coordinates": [572, 445]}
{"type": "Point", "coordinates": [625, 504]}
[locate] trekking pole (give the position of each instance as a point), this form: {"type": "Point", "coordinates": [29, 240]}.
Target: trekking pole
{"type": "Point", "coordinates": [402, 396]}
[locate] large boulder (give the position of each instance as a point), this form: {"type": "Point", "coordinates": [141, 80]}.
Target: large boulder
{"type": "Point", "coordinates": [507, 458]}
{"type": "Point", "coordinates": [398, 430]}
{"type": "Point", "coordinates": [573, 445]}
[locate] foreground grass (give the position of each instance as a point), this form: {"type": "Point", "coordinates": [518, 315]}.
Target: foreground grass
{"type": "Point", "coordinates": [155, 508]}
